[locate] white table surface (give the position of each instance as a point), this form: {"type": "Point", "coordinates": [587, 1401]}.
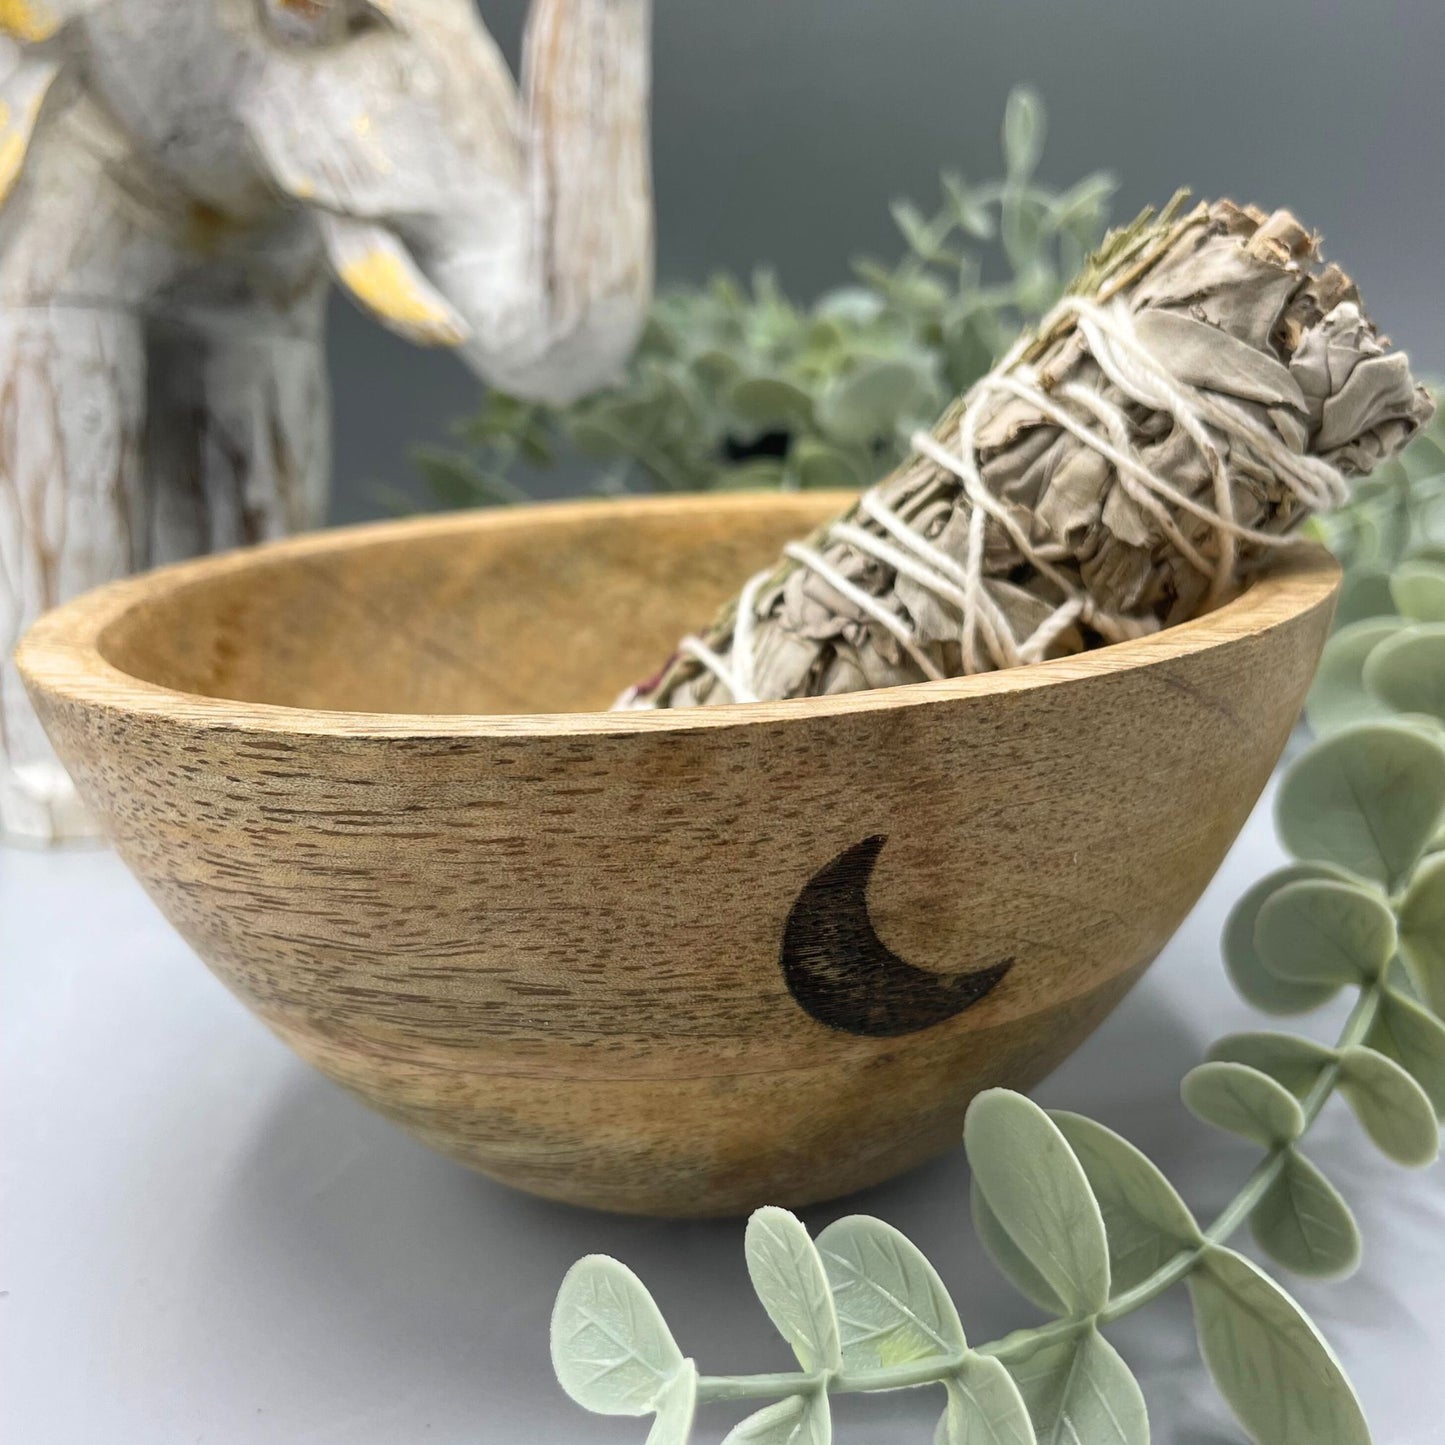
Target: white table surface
{"type": "Point", "coordinates": [204, 1241]}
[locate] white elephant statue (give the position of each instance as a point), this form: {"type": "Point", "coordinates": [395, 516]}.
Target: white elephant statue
{"type": "Point", "coordinates": [180, 181]}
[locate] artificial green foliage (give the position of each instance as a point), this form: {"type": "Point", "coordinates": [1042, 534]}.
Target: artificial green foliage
{"type": "Point", "coordinates": [1082, 1222]}
{"type": "Point", "coordinates": [1391, 537]}
{"type": "Point", "coordinates": [733, 385]}
{"type": "Point", "coordinates": [1366, 800]}
{"type": "Point", "coordinates": [1302, 1222]}
{"type": "Point", "coordinates": [1269, 1361]}
{"type": "Point", "coordinates": [1242, 1100]}
{"type": "Point", "coordinates": [1387, 655]}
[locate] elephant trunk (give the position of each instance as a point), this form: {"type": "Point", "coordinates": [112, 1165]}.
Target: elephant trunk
{"type": "Point", "coordinates": [543, 278]}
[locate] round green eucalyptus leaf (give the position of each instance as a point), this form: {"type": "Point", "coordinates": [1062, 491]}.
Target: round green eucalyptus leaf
{"type": "Point", "coordinates": [1272, 1365]}
{"type": "Point", "coordinates": [854, 305]}
{"type": "Point", "coordinates": [611, 1349]}
{"type": "Point", "coordinates": [1024, 125]}
{"type": "Point", "coordinates": [1243, 1101]}
{"type": "Point", "coordinates": [1337, 698]}
{"type": "Point", "coordinates": [1255, 982]}
{"type": "Point", "coordinates": [789, 1278]}
{"type": "Point", "coordinates": [1364, 592]}
{"type": "Point", "coordinates": [752, 475]}
{"type": "Point", "coordinates": [1407, 672]}
{"type": "Point", "coordinates": [970, 343]}
{"type": "Point", "coordinates": [676, 1408]}
{"type": "Point", "coordinates": [1371, 545]}
{"type": "Point", "coordinates": [1036, 1186]}
{"type": "Point", "coordinates": [1078, 1389]}
{"type": "Point", "coordinates": [796, 1420]}
{"type": "Point", "coordinates": [1326, 932]}
{"type": "Point", "coordinates": [984, 1407]}
{"type": "Point", "coordinates": [892, 1307]}
{"type": "Point", "coordinates": [1427, 552]}
{"type": "Point", "coordinates": [1367, 799]}
{"type": "Point", "coordinates": [1415, 1039]}
{"type": "Point", "coordinates": [1422, 931]}
{"type": "Point", "coordinates": [821, 467]}
{"type": "Point", "coordinates": [1302, 1222]}
{"type": "Point", "coordinates": [1418, 587]}
{"type": "Point", "coordinates": [1394, 1110]}
{"type": "Point", "coordinates": [1424, 459]}
{"type": "Point", "coordinates": [1146, 1221]}
{"type": "Point", "coordinates": [1288, 1059]}
{"type": "Point", "coordinates": [716, 367]}
{"type": "Point", "coordinates": [826, 343]}
{"type": "Point", "coordinates": [867, 402]}
{"type": "Point", "coordinates": [768, 401]}
{"type": "Point", "coordinates": [597, 436]}
{"type": "Point", "coordinates": [1008, 1258]}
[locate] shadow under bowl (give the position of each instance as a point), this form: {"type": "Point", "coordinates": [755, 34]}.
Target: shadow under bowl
{"type": "Point", "coordinates": [681, 963]}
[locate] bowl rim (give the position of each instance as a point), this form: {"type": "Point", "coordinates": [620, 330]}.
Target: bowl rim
{"type": "Point", "coordinates": [60, 655]}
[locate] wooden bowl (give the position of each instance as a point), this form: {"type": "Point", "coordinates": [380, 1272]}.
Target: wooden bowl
{"type": "Point", "coordinates": [680, 963]}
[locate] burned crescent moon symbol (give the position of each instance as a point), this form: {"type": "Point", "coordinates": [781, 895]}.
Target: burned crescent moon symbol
{"type": "Point", "coordinates": [842, 974]}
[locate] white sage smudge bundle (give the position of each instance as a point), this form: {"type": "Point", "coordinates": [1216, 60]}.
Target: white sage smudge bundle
{"type": "Point", "coordinates": [1205, 386]}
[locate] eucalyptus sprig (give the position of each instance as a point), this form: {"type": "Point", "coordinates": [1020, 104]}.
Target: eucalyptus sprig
{"type": "Point", "coordinates": [734, 385]}
{"type": "Point", "coordinates": [1086, 1225]}
{"type": "Point", "coordinates": [1395, 519]}
{"type": "Point", "coordinates": [1387, 655]}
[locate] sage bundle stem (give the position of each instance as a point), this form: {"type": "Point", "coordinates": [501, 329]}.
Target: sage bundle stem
{"type": "Point", "coordinates": [1205, 386]}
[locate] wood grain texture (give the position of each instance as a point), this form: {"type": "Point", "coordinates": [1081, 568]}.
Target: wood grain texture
{"type": "Point", "coordinates": [359, 773]}
{"type": "Point", "coordinates": [179, 186]}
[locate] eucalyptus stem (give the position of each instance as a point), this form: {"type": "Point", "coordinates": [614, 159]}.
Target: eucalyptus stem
{"type": "Point", "coordinates": [764, 1387]}
{"type": "Point", "coordinates": [937, 1368]}
{"type": "Point", "coordinates": [1238, 1210]}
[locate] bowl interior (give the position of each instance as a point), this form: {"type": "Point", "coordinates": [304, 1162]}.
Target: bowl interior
{"type": "Point", "coordinates": [545, 610]}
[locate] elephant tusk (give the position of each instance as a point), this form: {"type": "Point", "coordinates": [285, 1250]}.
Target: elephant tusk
{"type": "Point", "coordinates": [375, 268]}
{"type": "Point", "coordinates": [22, 98]}
{"type": "Point", "coordinates": [28, 22]}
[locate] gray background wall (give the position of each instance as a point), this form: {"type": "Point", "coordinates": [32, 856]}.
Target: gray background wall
{"type": "Point", "coordinates": [783, 127]}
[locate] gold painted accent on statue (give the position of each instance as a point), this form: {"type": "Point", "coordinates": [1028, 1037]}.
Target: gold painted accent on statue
{"type": "Point", "coordinates": [27, 21]}
{"type": "Point", "coordinates": [381, 282]}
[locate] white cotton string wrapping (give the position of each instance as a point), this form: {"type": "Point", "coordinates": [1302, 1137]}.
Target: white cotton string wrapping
{"type": "Point", "coordinates": [1138, 397]}
{"type": "Point", "coordinates": [1143, 377]}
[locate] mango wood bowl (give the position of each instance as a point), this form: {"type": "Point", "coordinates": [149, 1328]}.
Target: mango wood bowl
{"type": "Point", "coordinates": [681, 963]}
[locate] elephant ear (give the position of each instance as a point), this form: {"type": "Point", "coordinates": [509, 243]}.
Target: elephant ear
{"type": "Point", "coordinates": [323, 22]}
{"type": "Point", "coordinates": [27, 82]}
